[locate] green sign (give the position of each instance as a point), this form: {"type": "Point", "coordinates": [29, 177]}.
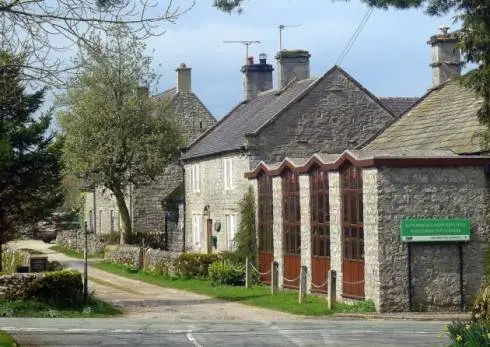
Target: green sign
{"type": "Point", "coordinates": [427, 230]}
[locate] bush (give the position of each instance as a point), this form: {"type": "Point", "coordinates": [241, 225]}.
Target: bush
{"type": "Point", "coordinates": [55, 266]}
{"type": "Point", "coordinates": [481, 306]}
{"type": "Point", "coordinates": [147, 239]}
{"type": "Point", "coordinates": [234, 257]}
{"type": "Point", "coordinates": [60, 289]}
{"type": "Point", "coordinates": [226, 272]}
{"type": "Point", "coordinates": [189, 265]}
{"type": "Point", "coordinates": [113, 238]}
{"type": "Point", "coordinates": [246, 237]}
{"type": "Point", "coordinates": [11, 259]}
{"type": "Point", "coordinates": [468, 334]}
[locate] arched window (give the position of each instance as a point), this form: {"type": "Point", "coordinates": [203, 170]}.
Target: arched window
{"type": "Point", "coordinates": [320, 213]}
{"type": "Point", "coordinates": [291, 213]}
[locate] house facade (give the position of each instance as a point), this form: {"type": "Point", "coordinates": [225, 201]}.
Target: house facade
{"type": "Point", "coordinates": [349, 212]}
{"type": "Point", "coordinates": [158, 206]}
{"type": "Point", "coordinates": [302, 116]}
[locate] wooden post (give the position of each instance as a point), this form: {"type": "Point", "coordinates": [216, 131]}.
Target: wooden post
{"type": "Point", "coordinates": [139, 264]}
{"type": "Point", "coordinates": [248, 273]}
{"type": "Point", "coordinates": [302, 284]}
{"type": "Point", "coordinates": [274, 277]}
{"type": "Point", "coordinates": [332, 289]}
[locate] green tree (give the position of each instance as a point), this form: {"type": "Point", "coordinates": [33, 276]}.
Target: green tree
{"type": "Point", "coordinates": [474, 16]}
{"type": "Point", "coordinates": [115, 134]}
{"type": "Point", "coordinates": [246, 237]}
{"type": "Point", "coordinates": [30, 157]}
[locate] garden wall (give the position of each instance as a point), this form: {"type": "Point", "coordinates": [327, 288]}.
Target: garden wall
{"type": "Point", "coordinates": [151, 259]}
{"type": "Point", "coordinates": [17, 286]}
{"type": "Point", "coordinates": [75, 240]}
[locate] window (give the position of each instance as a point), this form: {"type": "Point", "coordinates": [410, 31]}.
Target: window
{"type": "Point", "coordinates": [100, 221]}
{"type": "Point", "coordinates": [320, 213]}
{"type": "Point", "coordinates": [195, 178]}
{"type": "Point", "coordinates": [112, 221]}
{"type": "Point", "coordinates": [196, 229]}
{"type": "Point", "coordinates": [291, 213]}
{"type": "Point", "coordinates": [231, 230]}
{"type": "Point", "coordinates": [352, 213]}
{"type": "Point", "coordinates": [266, 219]}
{"type": "Point", "coordinates": [91, 220]}
{"type": "Point", "coordinates": [228, 173]}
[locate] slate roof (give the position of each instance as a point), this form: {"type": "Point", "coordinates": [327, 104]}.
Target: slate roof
{"type": "Point", "coordinates": [166, 95]}
{"type": "Point", "coordinates": [397, 104]}
{"type": "Point", "coordinates": [445, 118]}
{"type": "Point", "coordinates": [229, 133]}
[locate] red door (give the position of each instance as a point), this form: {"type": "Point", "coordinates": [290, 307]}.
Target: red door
{"type": "Point", "coordinates": [320, 229]}
{"type": "Point", "coordinates": [265, 221]}
{"type": "Point", "coordinates": [353, 233]}
{"type": "Point", "coordinates": [291, 228]}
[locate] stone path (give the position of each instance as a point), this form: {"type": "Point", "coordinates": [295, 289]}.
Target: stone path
{"type": "Point", "coordinates": [139, 299]}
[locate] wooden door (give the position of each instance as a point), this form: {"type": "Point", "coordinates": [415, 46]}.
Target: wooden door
{"type": "Point", "coordinates": [320, 229]}
{"type": "Point", "coordinates": [265, 222]}
{"type": "Point", "coordinates": [209, 235]}
{"type": "Point", "coordinates": [352, 234]}
{"type": "Point", "coordinates": [291, 229]}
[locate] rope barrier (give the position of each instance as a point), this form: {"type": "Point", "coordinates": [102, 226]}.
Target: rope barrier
{"type": "Point", "coordinates": [293, 280]}
{"type": "Point", "coordinates": [358, 282]}
{"type": "Point", "coordinates": [321, 285]}
{"type": "Point", "coordinates": [260, 273]}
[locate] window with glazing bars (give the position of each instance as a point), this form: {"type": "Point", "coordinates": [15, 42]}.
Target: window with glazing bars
{"type": "Point", "coordinates": [320, 213]}
{"type": "Point", "coordinates": [266, 217]}
{"type": "Point", "coordinates": [291, 213]}
{"type": "Point", "coordinates": [352, 223]}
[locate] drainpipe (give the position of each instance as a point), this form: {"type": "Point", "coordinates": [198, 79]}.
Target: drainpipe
{"type": "Point", "coordinates": [95, 211]}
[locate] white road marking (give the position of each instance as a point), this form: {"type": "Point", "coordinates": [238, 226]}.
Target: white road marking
{"type": "Point", "coordinates": [192, 339]}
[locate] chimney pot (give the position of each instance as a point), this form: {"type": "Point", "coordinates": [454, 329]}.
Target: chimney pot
{"type": "Point", "coordinates": [256, 77]}
{"type": "Point", "coordinates": [263, 58]}
{"type": "Point", "coordinates": [250, 60]}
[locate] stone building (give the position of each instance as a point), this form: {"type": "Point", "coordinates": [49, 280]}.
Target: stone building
{"type": "Point", "coordinates": [161, 201]}
{"type": "Point", "coordinates": [346, 212]}
{"type": "Point", "coordinates": [303, 115]}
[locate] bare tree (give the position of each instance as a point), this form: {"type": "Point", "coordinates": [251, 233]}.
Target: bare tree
{"type": "Point", "coordinates": [40, 31]}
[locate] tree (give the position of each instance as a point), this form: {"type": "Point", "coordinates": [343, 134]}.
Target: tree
{"type": "Point", "coordinates": [246, 237]}
{"type": "Point", "coordinates": [474, 16]}
{"type": "Point", "coordinates": [35, 29]}
{"type": "Point", "coordinates": [30, 157]}
{"type": "Point", "coordinates": [116, 135]}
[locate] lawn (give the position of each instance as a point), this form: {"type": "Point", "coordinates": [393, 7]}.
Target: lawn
{"type": "Point", "coordinates": [6, 340]}
{"type": "Point", "coordinates": [70, 252]}
{"type": "Point", "coordinates": [33, 308]}
{"type": "Point", "coordinates": [285, 301]}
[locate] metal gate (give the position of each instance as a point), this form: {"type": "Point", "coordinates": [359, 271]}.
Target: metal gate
{"type": "Point", "coordinates": [320, 229]}
{"type": "Point", "coordinates": [265, 222]}
{"type": "Point", "coordinates": [291, 228]}
{"type": "Point", "coordinates": [353, 233]}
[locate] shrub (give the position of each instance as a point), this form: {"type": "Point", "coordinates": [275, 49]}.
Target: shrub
{"type": "Point", "coordinates": [148, 239]}
{"type": "Point", "coordinates": [55, 266]}
{"type": "Point", "coordinates": [468, 334]}
{"type": "Point", "coordinates": [189, 265]}
{"type": "Point", "coordinates": [226, 272]}
{"type": "Point", "coordinates": [113, 238]}
{"type": "Point", "coordinates": [246, 237]}
{"type": "Point", "coordinates": [11, 259]}
{"type": "Point", "coordinates": [481, 306]}
{"type": "Point", "coordinates": [60, 288]}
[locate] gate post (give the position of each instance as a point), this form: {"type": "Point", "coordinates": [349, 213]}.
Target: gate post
{"type": "Point", "coordinates": [248, 273]}
{"type": "Point", "coordinates": [332, 289]}
{"type": "Point", "coordinates": [274, 277]}
{"type": "Point", "coordinates": [302, 284]}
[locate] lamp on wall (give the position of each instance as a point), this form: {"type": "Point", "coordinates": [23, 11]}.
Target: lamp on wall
{"type": "Point", "coordinates": [207, 211]}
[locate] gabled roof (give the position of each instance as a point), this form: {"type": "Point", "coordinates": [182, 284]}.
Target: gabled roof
{"type": "Point", "coordinates": [166, 95]}
{"type": "Point", "coordinates": [398, 104]}
{"type": "Point", "coordinates": [445, 118]}
{"type": "Point", "coordinates": [251, 117]}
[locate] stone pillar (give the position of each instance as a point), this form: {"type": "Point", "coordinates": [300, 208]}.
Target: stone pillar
{"type": "Point", "coordinates": [335, 201]}
{"type": "Point", "coordinates": [371, 238]}
{"type": "Point", "coordinates": [255, 187]}
{"type": "Point", "coordinates": [304, 202]}
{"type": "Point", "coordinates": [277, 227]}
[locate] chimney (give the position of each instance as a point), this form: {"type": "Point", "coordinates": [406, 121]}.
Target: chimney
{"type": "Point", "coordinates": [446, 59]}
{"type": "Point", "coordinates": [292, 65]}
{"type": "Point", "coordinates": [183, 78]}
{"type": "Point", "coordinates": [256, 77]}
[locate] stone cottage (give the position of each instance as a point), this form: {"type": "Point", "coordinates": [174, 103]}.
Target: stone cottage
{"type": "Point", "coordinates": [347, 212]}
{"type": "Point", "coordinates": [152, 206]}
{"type": "Point", "coordinates": [303, 115]}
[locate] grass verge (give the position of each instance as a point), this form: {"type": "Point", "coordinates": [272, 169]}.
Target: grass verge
{"type": "Point", "coordinates": [6, 340]}
{"type": "Point", "coordinates": [286, 301]}
{"type": "Point", "coordinates": [71, 252]}
{"type": "Point", "coordinates": [33, 308]}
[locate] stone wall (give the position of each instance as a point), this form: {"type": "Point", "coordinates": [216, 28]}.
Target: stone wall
{"type": "Point", "coordinates": [304, 190]}
{"type": "Point", "coordinates": [336, 115]}
{"type": "Point", "coordinates": [335, 202]}
{"type": "Point", "coordinates": [75, 240]}
{"type": "Point", "coordinates": [277, 238]}
{"type": "Point", "coordinates": [221, 202]}
{"type": "Point", "coordinates": [17, 286]}
{"type": "Point", "coordinates": [125, 254]}
{"type": "Point", "coordinates": [449, 192]}
{"type": "Point", "coordinates": [152, 259]}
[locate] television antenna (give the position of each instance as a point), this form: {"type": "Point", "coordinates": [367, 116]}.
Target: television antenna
{"type": "Point", "coordinates": [281, 28]}
{"type": "Point", "coordinates": [246, 44]}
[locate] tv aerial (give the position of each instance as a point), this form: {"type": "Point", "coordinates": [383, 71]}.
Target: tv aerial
{"type": "Point", "coordinates": [281, 28]}
{"type": "Point", "coordinates": [246, 44]}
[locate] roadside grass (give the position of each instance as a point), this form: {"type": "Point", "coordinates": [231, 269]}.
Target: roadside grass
{"type": "Point", "coordinates": [259, 295]}
{"type": "Point", "coordinates": [6, 340]}
{"type": "Point", "coordinates": [71, 252]}
{"type": "Point", "coordinates": [96, 308]}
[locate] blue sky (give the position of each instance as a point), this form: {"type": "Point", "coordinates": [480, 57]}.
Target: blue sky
{"type": "Point", "coordinates": [390, 57]}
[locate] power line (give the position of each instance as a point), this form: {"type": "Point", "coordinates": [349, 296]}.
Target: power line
{"type": "Point", "coordinates": [354, 36]}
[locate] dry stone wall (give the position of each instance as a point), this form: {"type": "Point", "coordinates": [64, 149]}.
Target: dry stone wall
{"type": "Point", "coordinates": [17, 286]}
{"type": "Point", "coordinates": [75, 240]}
{"type": "Point", "coordinates": [152, 259]}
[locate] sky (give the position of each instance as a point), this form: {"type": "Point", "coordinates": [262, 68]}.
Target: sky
{"type": "Point", "coordinates": [390, 56]}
